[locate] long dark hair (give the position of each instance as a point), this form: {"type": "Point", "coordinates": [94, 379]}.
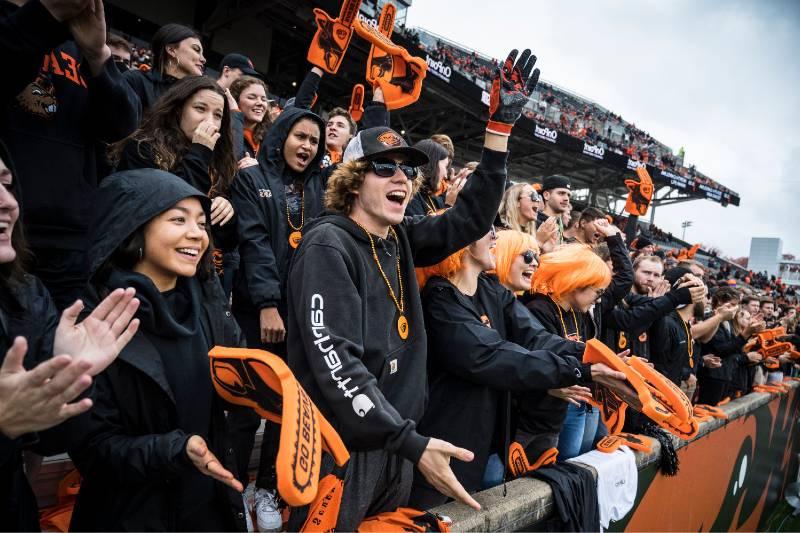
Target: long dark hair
{"type": "Point", "coordinates": [13, 274]}
{"type": "Point", "coordinates": [161, 128]}
{"type": "Point", "coordinates": [166, 35]}
{"type": "Point", "coordinates": [237, 88]}
{"type": "Point", "coordinates": [430, 172]}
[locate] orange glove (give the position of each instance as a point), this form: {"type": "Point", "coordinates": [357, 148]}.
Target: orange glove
{"type": "Point", "coordinates": [333, 36]}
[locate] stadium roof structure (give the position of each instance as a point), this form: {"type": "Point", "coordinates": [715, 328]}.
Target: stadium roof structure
{"type": "Point", "coordinates": [276, 35]}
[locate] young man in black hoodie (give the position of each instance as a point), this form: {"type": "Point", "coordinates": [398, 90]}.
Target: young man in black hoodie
{"type": "Point", "coordinates": [356, 340]}
{"type": "Point", "coordinates": [62, 98]}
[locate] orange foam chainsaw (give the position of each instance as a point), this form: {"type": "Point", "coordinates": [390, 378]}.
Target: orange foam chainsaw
{"type": "Point", "coordinates": [640, 193]}
{"type": "Point", "coordinates": [333, 36]}
{"type": "Point", "coordinates": [262, 381]}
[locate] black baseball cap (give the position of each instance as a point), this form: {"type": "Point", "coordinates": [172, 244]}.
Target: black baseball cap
{"type": "Point", "coordinates": [373, 142]}
{"type": "Point", "coordinates": [556, 182]}
{"type": "Point", "coordinates": [239, 61]}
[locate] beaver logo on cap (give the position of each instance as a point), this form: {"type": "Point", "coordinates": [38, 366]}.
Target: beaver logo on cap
{"type": "Point", "coordinates": [389, 138]}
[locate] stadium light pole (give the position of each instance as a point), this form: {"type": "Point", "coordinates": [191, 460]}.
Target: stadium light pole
{"type": "Point", "coordinates": [685, 224]}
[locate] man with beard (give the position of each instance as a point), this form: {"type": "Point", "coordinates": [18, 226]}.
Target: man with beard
{"type": "Point", "coordinates": [649, 301]}
{"type": "Point", "coordinates": [556, 192]}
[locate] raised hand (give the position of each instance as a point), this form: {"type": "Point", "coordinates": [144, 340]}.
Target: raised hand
{"type": "Point", "coordinates": [434, 464]}
{"type": "Point", "coordinates": [511, 88]}
{"type": "Point", "coordinates": [88, 29]}
{"type": "Point", "coordinates": [35, 400]}
{"type": "Point", "coordinates": [99, 338]}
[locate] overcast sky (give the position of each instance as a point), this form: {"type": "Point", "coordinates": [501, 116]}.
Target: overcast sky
{"type": "Point", "coordinates": [721, 78]}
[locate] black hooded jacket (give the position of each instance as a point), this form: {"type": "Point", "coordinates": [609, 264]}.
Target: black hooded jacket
{"type": "Point", "coordinates": [259, 198]}
{"type": "Point", "coordinates": [147, 86]}
{"type": "Point", "coordinates": [343, 340]}
{"type": "Point", "coordinates": [136, 474]}
{"type": "Point", "coordinates": [482, 348]}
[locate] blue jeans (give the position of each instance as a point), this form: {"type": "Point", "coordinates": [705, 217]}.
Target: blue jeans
{"type": "Point", "coordinates": [493, 475]}
{"type": "Point", "coordinates": [570, 440]}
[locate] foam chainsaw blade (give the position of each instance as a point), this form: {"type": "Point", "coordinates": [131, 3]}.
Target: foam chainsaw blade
{"type": "Point", "coordinates": [262, 381]}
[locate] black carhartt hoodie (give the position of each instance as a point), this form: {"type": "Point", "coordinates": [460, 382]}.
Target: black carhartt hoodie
{"type": "Point", "coordinates": [343, 340]}
{"type": "Point", "coordinates": [259, 198]}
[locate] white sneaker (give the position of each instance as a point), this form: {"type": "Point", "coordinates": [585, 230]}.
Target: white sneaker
{"type": "Point", "coordinates": [247, 513]}
{"type": "Point", "coordinates": [268, 515]}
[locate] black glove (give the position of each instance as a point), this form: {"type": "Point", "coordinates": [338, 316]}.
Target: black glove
{"type": "Point", "coordinates": [511, 88]}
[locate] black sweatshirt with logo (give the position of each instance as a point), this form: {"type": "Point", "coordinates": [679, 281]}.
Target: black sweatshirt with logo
{"type": "Point", "coordinates": [343, 341]}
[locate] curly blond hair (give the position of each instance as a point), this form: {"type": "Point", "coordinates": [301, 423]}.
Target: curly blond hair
{"type": "Point", "coordinates": [346, 180]}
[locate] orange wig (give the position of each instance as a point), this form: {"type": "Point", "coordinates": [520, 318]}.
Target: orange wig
{"type": "Point", "coordinates": [446, 268]}
{"type": "Point", "coordinates": [570, 268]}
{"type": "Point", "coordinates": [510, 244]}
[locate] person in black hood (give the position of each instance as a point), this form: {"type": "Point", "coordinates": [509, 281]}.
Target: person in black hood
{"type": "Point", "coordinates": [157, 423]}
{"type": "Point", "coordinates": [356, 337]}
{"type": "Point", "coordinates": [484, 345]}
{"type": "Point", "coordinates": [62, 97]}
{"type": "Point", "coordinates": [177, 53]}
{"type": "Point", "coordinates": [429, 200]}
{"type": "Point", "coordinates": [187, 133]}
{"type": "Point", "coordinates": [35, 387]}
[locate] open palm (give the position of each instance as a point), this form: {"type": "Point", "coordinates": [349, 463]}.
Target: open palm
{"type": "Point", "coordinates": [102, 335]}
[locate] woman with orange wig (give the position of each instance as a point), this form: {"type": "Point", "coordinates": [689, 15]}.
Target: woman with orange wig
{"type": "Point", "coordinates": [482, 346]}
{"type": "Point", "coordinates": [569, 298]}
{"type": "Point", "coordinates": [516, 258]}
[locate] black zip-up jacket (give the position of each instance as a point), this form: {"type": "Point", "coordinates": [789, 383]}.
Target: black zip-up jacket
{"type": "Point", "coordinates": [132, 455]}
{"type": "Point", "coordinates": [147, 86]}
{"type": "Point", "coordinates": [727, 346]}
{"type": "Point", "coordinates": [669, 346]}
{"type": "Point", "coordinates": [53, 115]}
{"type": "Point", "coordinates": [473, 367]}
{"type": "Point", "coordinates": [627, 324]}
{"type": "Point", "coordinates": [259, 198]}
{"type": "Point", "coordinates": [25, 310]}
{"type": "Point", "coordinates": [343, 340]}
{"type": "Point", "coordinates": [193, 168]}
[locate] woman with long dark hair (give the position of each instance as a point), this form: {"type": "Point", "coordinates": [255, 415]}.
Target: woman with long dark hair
{"type": "Point", "coordinates": [187, 133]}
{"type": "Point", "coordinates": [177, 53]}
{"type": "Point", "coordinates": [251, 95]}
{"type": "Point", "coordinates": [38, 390]}
{"type": "Point", "coordinates": [155, 454]}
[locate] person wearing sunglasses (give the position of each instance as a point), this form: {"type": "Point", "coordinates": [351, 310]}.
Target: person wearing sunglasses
{"type": "Point", "coordinates": [568, 284]}
{"type": "Point", "coordinates": [483, 345]}
{"type": "Point", "coordinates": [356, 337]}
{"type": "Point", "coordinates": [519, 210]}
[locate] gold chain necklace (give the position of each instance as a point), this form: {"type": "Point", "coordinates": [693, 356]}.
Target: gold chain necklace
{"type": "Point", "coordinates": [431, 204]}
{"type": "Point", "coordinates": [296, 234]}
{"type": "Point", "coordinates": [402, 323]}
{"type": "Point", "coordinates": [564, 325]}
{"type": "Point", "coordinates": [689, 342]}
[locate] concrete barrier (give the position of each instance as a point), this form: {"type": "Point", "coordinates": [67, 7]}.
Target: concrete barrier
{"type": "Point", "coordinates": [522, 503]}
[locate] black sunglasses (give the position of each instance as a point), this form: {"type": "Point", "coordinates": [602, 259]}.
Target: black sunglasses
{"type": "Point", "coordinates": [386, 169]}
{"type": "Point", "coordinates": [529, 256]}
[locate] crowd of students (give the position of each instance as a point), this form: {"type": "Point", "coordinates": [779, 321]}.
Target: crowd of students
{"type": "Point", "coordinates": [431, 313]}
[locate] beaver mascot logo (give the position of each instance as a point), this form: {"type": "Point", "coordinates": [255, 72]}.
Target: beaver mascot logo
{"type": "Point", "coordinates": [39, 98]}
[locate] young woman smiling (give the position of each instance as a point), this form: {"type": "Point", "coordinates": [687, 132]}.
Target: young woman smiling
{"type": "Point", "coordinates": [157, 422]}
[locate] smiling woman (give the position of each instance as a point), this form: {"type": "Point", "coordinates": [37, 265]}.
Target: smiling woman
{"type": "Point", "coordinates": [168, 436]}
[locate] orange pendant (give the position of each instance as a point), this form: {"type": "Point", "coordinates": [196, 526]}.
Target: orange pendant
{"type": "Point", "coordinates": [294, 239]}
{"type": "Point", "coordinates": [402, 327]}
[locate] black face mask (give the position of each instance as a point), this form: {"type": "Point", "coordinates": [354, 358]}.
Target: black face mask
{"type": "Point", "coordinates": [122, 66]}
